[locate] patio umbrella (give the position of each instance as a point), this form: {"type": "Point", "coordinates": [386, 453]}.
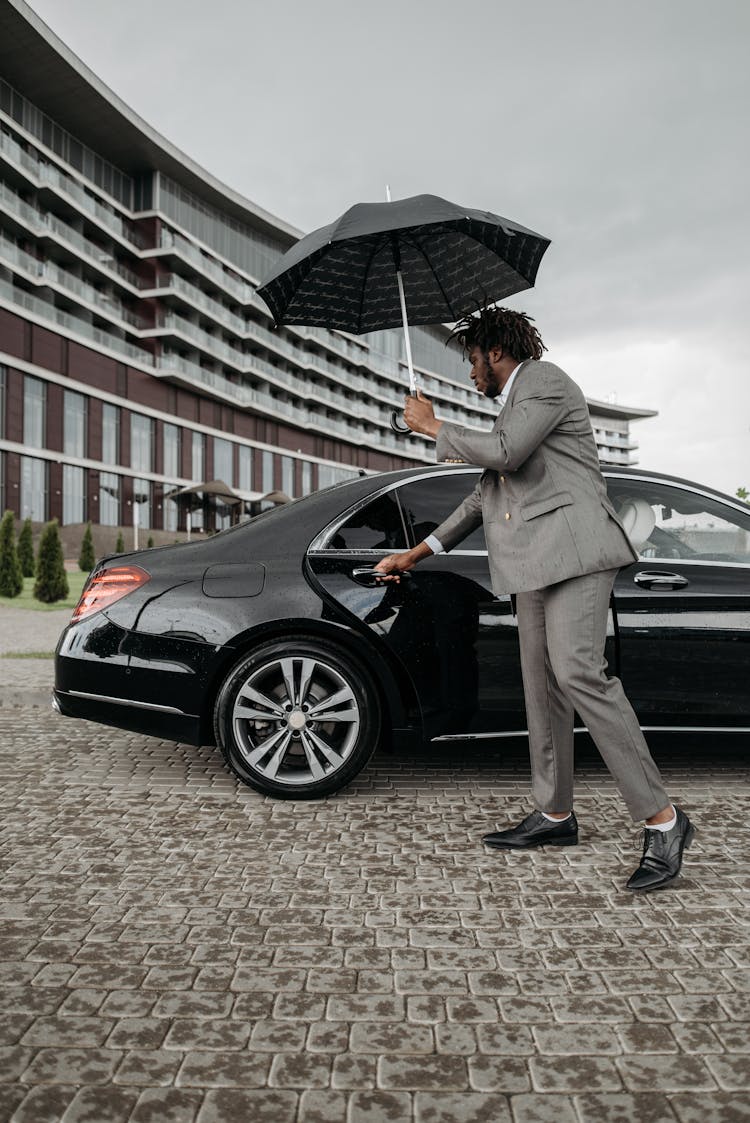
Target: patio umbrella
{"type": "Point", "coordinates": [421, 260]}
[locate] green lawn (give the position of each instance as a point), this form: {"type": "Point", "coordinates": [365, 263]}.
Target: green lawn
{"type": "Point", "coordinates": [25, 599]}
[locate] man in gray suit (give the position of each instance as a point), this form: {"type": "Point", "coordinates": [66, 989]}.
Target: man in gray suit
{"type": "Point", "coordinates": [553, 540]}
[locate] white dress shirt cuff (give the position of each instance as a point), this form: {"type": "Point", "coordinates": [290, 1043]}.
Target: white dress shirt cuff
{"type": "Point", "coordinates": [434, 543]}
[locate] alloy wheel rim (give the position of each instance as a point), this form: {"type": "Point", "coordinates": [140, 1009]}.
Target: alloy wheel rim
{"type": "Point", "coordinates": [296, 720]}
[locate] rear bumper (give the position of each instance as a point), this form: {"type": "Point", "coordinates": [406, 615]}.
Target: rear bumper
{"type": "Point", "coordinates": [126, 713]}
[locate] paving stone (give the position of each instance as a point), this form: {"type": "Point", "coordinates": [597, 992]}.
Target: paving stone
{"type": "Point", "coordinates": [322, 1105]}
{"type": "Point", "coordinates": [298, 1070]}
{"type": "Point", "coordinates": [72, 1066]}
{"type": "Point", "coordinates": [570, 1074]}
{"type": "Point", "coordinates": [580, 1040]}
{"type": "Point", "coordinates": [193, 1033]}
{"type": "Point", "coordinates": [506, 1040]}
{"type": "Point", "coordinates": [531, 1107]}
{"type": "Point", "coordinates": [68, 1031]}
{"type": "Point", "coordinates": [10, 1098]}
{"type": "Point", "coordinates": [93, 1105]}
{"type": "Point", "coordinates": [665, 1073]}
{"type": "Point", "coordinates": [207, 1070]}
{"type": "Point", "coordinates": [380, 1107]}
{"type": "Point", "coordinates": [391, 1038]}
{"type": "Point", "coordinates": [647, 1037]}
{"type": "Point", "coordinates": [461, 1107]}
{"type": "Point", "coordinates": [45, 1104]}
{"type": "Point", "coordinates": [719, 1107]}
{"type": "Point", "coordinates": [496, 1074]}
{"type": "Point", "coordinates": [417, 1073]}
{"type": "Point", "coordinates": [622, 1107]}
{"type": "Point", "coordinates": [731, 1071]}
{"type": "Point", "coordinates": [167, 1105]}
{"type": "Point", "coordinates": [13, 1061]}
{"type": "Point", "coordinates": [327, 1037]}
{"type": "Point", "coordinates": [350, 1071]}
{"type": "Point", "coordinates": [147, 1067]}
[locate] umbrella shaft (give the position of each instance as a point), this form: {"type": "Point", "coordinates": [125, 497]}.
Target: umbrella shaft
{"type": "Point", "coordinates": [407, 341]}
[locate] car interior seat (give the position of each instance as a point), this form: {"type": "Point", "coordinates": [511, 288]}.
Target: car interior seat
{"type": "Point", "coordinates": [638, 518]}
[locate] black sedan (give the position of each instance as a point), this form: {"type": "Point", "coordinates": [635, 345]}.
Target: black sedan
{"type": "Point", "coordinates": [275, 641]}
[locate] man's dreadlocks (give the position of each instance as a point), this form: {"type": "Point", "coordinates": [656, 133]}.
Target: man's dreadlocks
{"type": "Point", "coordinates": [513, 332]}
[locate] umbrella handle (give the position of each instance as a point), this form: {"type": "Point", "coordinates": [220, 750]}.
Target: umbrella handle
{"type": "Point", "coordinates": [396, 424]}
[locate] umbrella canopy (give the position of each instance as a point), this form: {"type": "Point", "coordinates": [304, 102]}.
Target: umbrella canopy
{"type": "Point", "coordinates": [451, 260]}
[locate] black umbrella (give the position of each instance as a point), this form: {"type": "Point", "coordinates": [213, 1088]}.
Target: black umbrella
{"type": "Point", "coordinates": [421, 260]}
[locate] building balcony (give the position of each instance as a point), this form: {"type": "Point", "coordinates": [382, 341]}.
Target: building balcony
{"type": "Point", "coordinates": [49, 274]}
{"type": "Point", "coordinates": [45, 175]}
{"type": "Point", "coordinates": [48, 226]}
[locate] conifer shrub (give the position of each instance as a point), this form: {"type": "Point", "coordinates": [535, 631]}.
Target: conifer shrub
{"type": "Point", "coordinates": [51, 579]}
{"type": "Point", "coordinates": [119, 544]}
{"type": "Point", "coordinates": [87, 557]}
{"type": "Point", "coordinates": [11, 578]}
{"type": "Point", "coordinates": [26, 549]}
{"type": "Point", "coordinates": [150, 543]}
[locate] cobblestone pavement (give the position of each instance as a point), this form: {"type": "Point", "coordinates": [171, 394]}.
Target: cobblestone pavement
{"type": "Point", "coordinates": [177, 948]}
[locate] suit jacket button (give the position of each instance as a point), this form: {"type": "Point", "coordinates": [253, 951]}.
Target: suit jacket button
{"type": "Point", "coordinates": [507, 514]}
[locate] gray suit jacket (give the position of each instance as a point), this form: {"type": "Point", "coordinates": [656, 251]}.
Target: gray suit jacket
{"type": "Point", "coordinates": [542, 497]}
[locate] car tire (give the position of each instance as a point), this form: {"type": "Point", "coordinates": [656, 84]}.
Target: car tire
{"type": "Point", "coordinates": [270, 719]}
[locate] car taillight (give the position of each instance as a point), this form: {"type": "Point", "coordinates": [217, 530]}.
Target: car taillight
{"type": "Point", "coordinates": [108, 586]}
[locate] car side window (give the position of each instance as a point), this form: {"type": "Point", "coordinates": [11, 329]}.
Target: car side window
{"type": "Point", "coordinates": [376, 526]}
{"type": "Point", "coordinates": [685, 524]}
{"type": "Point", "coordinates": [427, 502]}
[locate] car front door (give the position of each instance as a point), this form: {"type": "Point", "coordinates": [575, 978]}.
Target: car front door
{"type": "Point", "coordinates": [457, 642]}
{"type": "Point", "coordinates": [683, 609]}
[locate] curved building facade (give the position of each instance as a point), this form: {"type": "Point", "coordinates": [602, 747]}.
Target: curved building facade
{"type": "Point", "coordinates": [136, 358]}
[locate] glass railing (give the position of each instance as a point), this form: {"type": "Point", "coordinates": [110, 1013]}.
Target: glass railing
{"type": "Point", "coordinates": [42, 223]}
{"type": "Point", "coordinates": [48, 272]}
{"type": "Point", "coordinates": [239, 289]}
{"type": "Point", "coordinates": [46, 173]}
{"type": "Point", "coordinates": [48, 311]}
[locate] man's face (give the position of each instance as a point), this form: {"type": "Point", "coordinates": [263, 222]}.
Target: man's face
{"type": "Point", "coordinates": [482, 374]}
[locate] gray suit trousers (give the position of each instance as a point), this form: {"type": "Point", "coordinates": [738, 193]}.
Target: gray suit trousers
{"type": "Point", "coordinates": [562, 631]}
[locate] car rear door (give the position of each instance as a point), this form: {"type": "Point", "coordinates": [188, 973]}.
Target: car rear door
{"type": "Point", "coordinates": [456, 641]}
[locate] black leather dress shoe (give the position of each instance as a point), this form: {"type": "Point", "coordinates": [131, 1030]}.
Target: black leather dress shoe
{"type": "Point", "coordinates": [535, 830]}
{"type": "Point", "coordinates": [662, 855]}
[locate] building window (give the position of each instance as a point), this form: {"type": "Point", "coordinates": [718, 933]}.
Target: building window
{"type": "Point", "coordinates": [142, 504]}
{"type": "Point", "coordinates": [306, 477]}
{"type": "Point", "coordinates": [172, 465]}
{"type": "Point", "coordinates": [2, 401]}
{"type": "Point", "coordinates": [33, 488]}
{"type": "Point", "coordinates": [287, 476]}
{"type": "Point", "coordinates": [267, 466]}
{"type": "Point", "coordinates": [223, 465]}
{"type": "Point", "coordinates": [110, 436]}
{"type": "Point", "coordinates": [34, 409]}
{"type": "Point", "coordinates": [74, 495]}
{"type": "Point", "coordinates": [141, 443]}
{"type": "Point", "coordinates": [199, 458]}
{"type": "Point", "coordinates": [245, 480]}
{"type": "Point", "coordinates": [109, 499]}
{"type": "Point", "coordinates": [74, 426]}
{"type": "Point", "coordinates": [171, 514]}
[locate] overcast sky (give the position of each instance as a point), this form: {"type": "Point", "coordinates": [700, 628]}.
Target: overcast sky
{"type": "Point", "coordinates": [617, 130]}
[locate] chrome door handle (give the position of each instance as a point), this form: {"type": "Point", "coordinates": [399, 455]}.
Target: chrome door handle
{"type": "Point", "coordinates": [371, 578]}
{"type": "Point", "coordinates": [649, 579]}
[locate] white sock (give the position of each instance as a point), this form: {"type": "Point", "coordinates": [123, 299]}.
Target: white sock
{"type": "Point", "coordinates": [553, 819]}
{"type": "Point", "coordinates": [663, 826]}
